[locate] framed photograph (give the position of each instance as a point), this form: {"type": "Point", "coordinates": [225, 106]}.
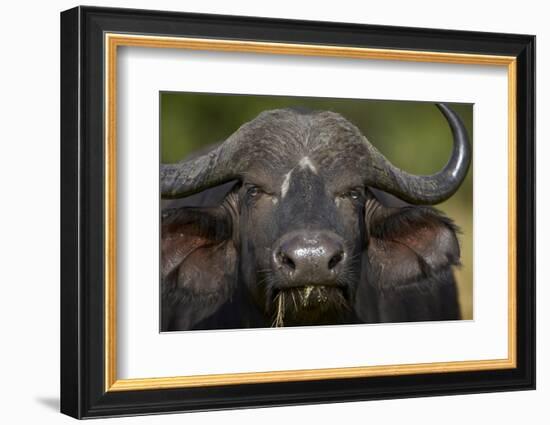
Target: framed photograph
{"type": "Point", "coordinates": [261, 212]}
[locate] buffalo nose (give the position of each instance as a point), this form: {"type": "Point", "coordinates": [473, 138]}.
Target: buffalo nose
{"type": "Point", "coordinates": [310, 258]}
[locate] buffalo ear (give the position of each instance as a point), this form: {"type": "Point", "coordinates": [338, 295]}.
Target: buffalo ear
{"type": "Point", "coordinates": [410, 245]}
{"type": "Point", "coordinates": [198, 263]}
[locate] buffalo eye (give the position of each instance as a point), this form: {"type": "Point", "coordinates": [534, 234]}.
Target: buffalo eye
{"type": "Point", "coordinates": [253, 191]}
{"type": "Point", "coordinates": [353, 194]}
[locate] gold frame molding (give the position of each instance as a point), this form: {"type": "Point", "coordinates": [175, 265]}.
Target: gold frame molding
{"type": "Point", "coordinates": [113, 41]}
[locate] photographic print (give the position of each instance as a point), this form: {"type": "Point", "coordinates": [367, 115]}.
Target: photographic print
{"type": "Point", "coordinates": [328, 213]}
{"type": "Point", "coordinates": [298, 211]}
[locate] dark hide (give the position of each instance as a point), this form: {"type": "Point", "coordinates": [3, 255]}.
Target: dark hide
{"type": "Point", "coordinates": [409, 274]}
{"type": "Point", "coordinates": [408, 277]}
{"type": "Point", "coordinates": [198, 263]}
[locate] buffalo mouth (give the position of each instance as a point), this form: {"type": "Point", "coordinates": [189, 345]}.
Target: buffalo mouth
{"type": "Point", "coordinates": [309, 305]}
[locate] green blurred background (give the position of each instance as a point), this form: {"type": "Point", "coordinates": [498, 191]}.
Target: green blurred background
{"type": "Point", "coordinates": [412, 135]}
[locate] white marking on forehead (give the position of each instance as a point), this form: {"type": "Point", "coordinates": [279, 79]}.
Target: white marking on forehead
{"type": "Point", "coordinates": [305, 162]}
{"type": "Point", "coordinates": [286, 184]}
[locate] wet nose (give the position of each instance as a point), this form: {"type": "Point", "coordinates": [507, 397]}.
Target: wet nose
{"type": "Point", "coordinates": [307, 258]}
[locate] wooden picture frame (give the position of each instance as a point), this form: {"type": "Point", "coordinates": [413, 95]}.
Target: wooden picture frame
{"type": "Point", "coordinates": [90, 40]}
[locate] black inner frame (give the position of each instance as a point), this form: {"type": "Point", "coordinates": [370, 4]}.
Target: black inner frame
{"type": "Point", "coordinates": [82, 212]}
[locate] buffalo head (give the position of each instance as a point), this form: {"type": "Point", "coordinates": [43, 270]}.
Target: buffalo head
{"type": "Point", "coordinates": [301, 237]}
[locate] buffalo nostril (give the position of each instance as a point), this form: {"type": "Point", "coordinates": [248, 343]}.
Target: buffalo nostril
{"type": "Point", "coordinates": [335, 260]}
{"type": "Point", "coordinates": [286, 261]}
{"type": "Point", "coordinates": [309, 258]}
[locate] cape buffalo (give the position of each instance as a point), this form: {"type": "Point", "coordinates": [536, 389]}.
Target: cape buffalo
{"type": "Point", "coordinates": [303, 234]}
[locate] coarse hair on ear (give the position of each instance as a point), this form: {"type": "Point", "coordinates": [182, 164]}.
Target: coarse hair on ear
{"type": "Point", "coordinates": [409, 243]}
{"type": "Point", "coordinates": [198, 264]}
{"type": "Point", "coordinates": [410, 258]}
